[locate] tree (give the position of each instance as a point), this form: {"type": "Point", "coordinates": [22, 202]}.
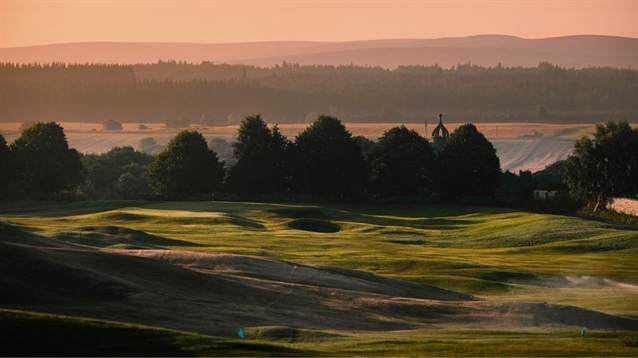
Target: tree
{"type": "Point", "coordinates": [468, 164]}
{"type": "Point", "coordinates": [180, 122]}
{"type": "Point", "coordinates": [111, 125]}
{"type": "Point", "coordinates": [186, 167]}
{"type": "Point", "coordinates": [366, 145]}
{"type": "Point", "coordinates": [261, 155]}
{"type": "Point", "coordinates": [223, 149]}
{"type": "Point", "coordinates": [6, 169]}
{"type": "Point", "coordinates": [327, 160]}
{"type": "Point", "coordinates": [207, 119]}
{"type": "Point", "coordinates": [132, 183]}
{"type": "Point", "coordinates": [606, 164]}
{"type": "Point", "coordinates": [148, 145]}
{"type": "Point", "coordinates": [402, 163]}
{"type": "Point", "coordinates": [551, 178]}
{"type": "Point", "coordinates": [43, 161]}
{"type": "Point", "coordinates": [541, 112]}
{"type": "Point", "coordinates": [118, 173]}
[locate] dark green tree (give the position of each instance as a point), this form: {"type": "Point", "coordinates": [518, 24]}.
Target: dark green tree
{"type": "Point", "coordinates": [43, 161]}
{"type": "Point", "coordinates": [6, 169]}
{"type": "Point", "coordinates": [551, 178]}
{"type": "Point", "coordinates": [606, 164]}
{"type": "Point", "coordinates": [468, 165]}
{"type": "Point", "coordinates": [148, 145]}
{"type": "Point", "coordinates": [366, 145]}
{"type": "Point", "coordinates": [402, 163]}
{"type": "Point", "coordinates": [186, 167]}
{"type": "Point", "coordinates": [132, 183]}
{"type": "Point", "coordinates": [261, 159]}
{"type": "Point", "coordinates": [327, 161]}
{"type": "Point", "coordinates": [104, 172]}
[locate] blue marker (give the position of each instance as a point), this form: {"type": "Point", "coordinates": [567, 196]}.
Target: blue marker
{"type": "Point", "coordinates": [240, 333]}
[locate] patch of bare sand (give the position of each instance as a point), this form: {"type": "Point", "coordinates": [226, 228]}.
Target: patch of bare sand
{"type": "Point", "coordinates": [216, 293]}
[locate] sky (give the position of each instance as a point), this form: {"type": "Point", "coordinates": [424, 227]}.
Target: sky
{"type": "Point", "coordinates": [27, 23]}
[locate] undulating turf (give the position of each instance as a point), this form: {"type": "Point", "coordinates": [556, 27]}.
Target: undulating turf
{"type": "Point", "coordinates": [491, 253]}
{"type": "Point", "coordinates": [39, 334]}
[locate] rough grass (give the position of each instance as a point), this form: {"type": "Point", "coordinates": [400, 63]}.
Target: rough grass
{"type": "Point", "coordinates": [483, 343]}
{"type": "Point", "coordinates": [29, 334]}
{"type": "Point", "coordinates": [454, 247]}
{"type": "Point", "coordinates": [491, 253]}
{"type": "Point", "coordinates": [114, 237]}
{"type": "Point", "coordinates": [70, 336]}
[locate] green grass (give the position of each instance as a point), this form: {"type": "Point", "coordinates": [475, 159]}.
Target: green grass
{"type": "Point", "coordinates": [454, 247]}
{"type": "Point", "coordinates": [492, 253]}
{"type": "Point", "coordinates": [71, 336]}
{"type": "Point", "coordinates": [31, 334]}
{"type": "Point", "coordinates": [480, 343]}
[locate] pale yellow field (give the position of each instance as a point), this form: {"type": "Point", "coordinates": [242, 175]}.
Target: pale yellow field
{"type": "Point", "coordinates": [515, 151]}
{"type": "Point", "coordinates": [370, 130]}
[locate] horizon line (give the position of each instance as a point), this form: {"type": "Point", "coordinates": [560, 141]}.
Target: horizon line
{"type": "Point", "coordinates": [309, 41]}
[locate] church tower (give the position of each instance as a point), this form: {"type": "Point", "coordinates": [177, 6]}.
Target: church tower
{"type": "Point", "coordinates": [439, 136]}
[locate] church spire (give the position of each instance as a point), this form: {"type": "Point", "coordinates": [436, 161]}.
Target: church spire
{"type": "Point", "coordinates": [439, 136]}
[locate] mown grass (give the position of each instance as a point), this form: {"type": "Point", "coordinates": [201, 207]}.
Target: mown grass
{"type": "Point", "coordinates": [491, 253]}
{"type": "Point", "coordinates": [453, 247]}
{"type": "Point", "coordinates": [453, 343]}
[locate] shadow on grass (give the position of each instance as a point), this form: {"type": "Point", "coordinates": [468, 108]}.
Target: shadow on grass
{"type": "Point", "coordinates": [116, 236]}
{"type": "Point", "coordinates": [300, 213]}
{"type": "Point", "coordinates": [74, 337]}
{"type": "Point", "coordinates": [314, 225]}
{"type": "Point", "coordinates": [55, 209]}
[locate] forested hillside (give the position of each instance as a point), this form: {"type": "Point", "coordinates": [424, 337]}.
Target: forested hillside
{"type": "Point", "coordinates": [224, 94]}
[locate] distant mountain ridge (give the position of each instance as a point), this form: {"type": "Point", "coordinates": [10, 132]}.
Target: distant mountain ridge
{"type": "Point", "coordinates": [485, 50]}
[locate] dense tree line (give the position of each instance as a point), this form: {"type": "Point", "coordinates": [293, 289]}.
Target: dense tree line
{"type": "Point", "coordinates": [117, 174]}
{"type": "Point", "coordinates": [217, 93]}
{"type": "Point", "coordinates": [324, 161]}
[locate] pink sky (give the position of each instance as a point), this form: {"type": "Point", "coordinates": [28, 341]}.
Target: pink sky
{"type": "Point", "coordinates": [25, 23]}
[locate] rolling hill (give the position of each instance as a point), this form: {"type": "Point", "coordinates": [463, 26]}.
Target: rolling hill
{"type": "Point", "coordinates": [485, 50]}
{"type": "Point", "coordinates": [394, 279]}
{"type": "Point", "coordinates": [216, 293]}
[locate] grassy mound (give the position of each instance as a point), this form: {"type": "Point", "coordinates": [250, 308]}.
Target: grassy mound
{"type": "Point", "coordinates": [314, 225]}
{"type": "Point", "coordinates": [290, 335]}
{"type": "Point", "coordinates": [76, 337]}
{"type": "Point", "coordinates": [115, 237]}
{"type": "Point", "coordinates": [300, 213]}
{"type": "Point", "coordinates": [492, 253]}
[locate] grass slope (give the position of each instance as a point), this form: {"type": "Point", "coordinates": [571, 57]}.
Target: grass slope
{"type": "Point", "coordinates": [453, 247]}
{"type": "Point", "coordinates": [71, 336]}
{"type": "Point", "coordinates": [30, 334]}
{"type": "Point", "coordinates": [516, 258]}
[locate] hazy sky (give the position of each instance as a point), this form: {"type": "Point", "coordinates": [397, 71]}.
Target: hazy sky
{"type": "Point", "coordinates": [26, 23]}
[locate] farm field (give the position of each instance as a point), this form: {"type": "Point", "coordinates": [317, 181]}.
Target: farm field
{"type": "Point", "coordinates": [520, 146]}
{"type": "Point", "coordinates": [305, 279]}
